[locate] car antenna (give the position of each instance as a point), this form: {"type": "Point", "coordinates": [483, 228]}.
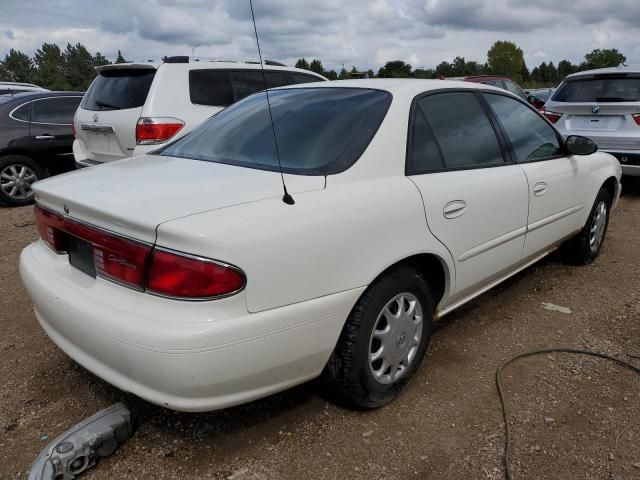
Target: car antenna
{"type": "Point", "coordinates": [286, 198]}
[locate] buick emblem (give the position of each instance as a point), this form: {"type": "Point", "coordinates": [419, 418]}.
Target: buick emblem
{"type": "Point", "coordinates": [95, 117]}
{"type": "Point", "coordinates": [595, 109]}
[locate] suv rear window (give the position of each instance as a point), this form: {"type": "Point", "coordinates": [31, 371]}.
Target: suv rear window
{"type": "Point", "coordinates": [603, 89]}
{"type": "Point", "coordinates": [119, 89]}
{"type": "Point", "coordinates": [319, 131]}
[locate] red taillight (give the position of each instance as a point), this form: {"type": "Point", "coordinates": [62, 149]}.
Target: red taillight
{"type": "Point", "coordinates": [553, 117]}
{"type": "Point", "coordinates": [151, 131]}
{"type": "Point", "coordinates": [177, 275]}
{"type": "Point", "coordinates": [50, 229]}
{"type": "Point", "coordinates": [636, 118]}
{"type": "Point", "coordinates": [130, 262]}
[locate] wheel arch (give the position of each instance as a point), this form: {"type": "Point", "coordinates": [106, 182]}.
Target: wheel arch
{"type": "Point", "coordinates": [611, 185]}
{"type": "Point", "coordinates": [25, 152]}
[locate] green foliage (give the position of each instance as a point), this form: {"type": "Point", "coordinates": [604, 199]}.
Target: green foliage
{"type": "Point", "coordinates": [609, 57]}
{"type": "Point", "coordinates": [331, 75]}
{"type": "Point", "coordinates": [50, 68]}
{"type": "Point", "coordinates": [302, 63]}
{"type": "Point", "coordinates": [395, 69]}
{"type": "Point", "coordinates": [506, 58]}
{"type": "Point", "coordinates": [120, 58]}
{"type": "Point", "coordinates": [78, 66]}
{"type": "Point", "coordinates": [16, 67]}
{"type": "Point", "coordinates": [316, 66]}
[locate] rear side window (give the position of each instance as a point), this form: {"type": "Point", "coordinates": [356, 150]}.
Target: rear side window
{"type": "Point", "coordinates": [532, 137]}
{"type": "Point", "coordinates": [460, 128]}
{"type": "Point", "coordinates": [119, 89]}
{"type": "Point", "coordinates": [59, 110]}
{"type": "Point", "coordinates": [513, 88]}
{"type": "Point", "coordinates": [604, 89]}
{"type": "Point", "coordinates": [22, 113]}
{"type": "Point", "coordinates": [246, 82]}
{"type": "Point", "coordinates": [320, 131]}
{"type": "Point", "coordinates": [303, 78]}
{"type": "Point", "coordinates": [211, 87]}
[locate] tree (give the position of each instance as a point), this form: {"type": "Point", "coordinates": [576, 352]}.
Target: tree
{"type": "Point", "coordinates": [424, 73]}
{"type": "Point", "coordinates": [344, 75]}
{"type": "Point", "coordinates": [302, 63]}
{"type": "Point", "coordinates": [50, 68]}
{"type": "Point", "coordinates": [444, 69]}
{"type": "Point", "coordinates": [565, 67]}
{"type": "Point", "coordinates": [395, 69]}
{"type": "Point", "coordinates": [604, 58]}
{"type": "Point", "coordinates": [331, 74]}
{"type": "Point", "coordinates": [78, 66]}
{"type": "Point", "coordinates": [524, 73]}
{"type": "Point", "coordinates": [316, 66]}
{"type": "Point", "coordinates": [506, 58]}
{"type": "Point", "coordinates": [99, 60]}
{"type": "Point", "coordinates": [16, 67]}
{"type": "Point", "coordinates": [120, 58]}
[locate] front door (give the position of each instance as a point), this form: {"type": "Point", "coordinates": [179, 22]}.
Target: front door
{"type": "Point", "coordinates": [475, 202]}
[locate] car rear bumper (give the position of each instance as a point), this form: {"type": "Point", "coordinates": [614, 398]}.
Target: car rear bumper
{"type": "Point", "coordinates": [629, 161]}
{"type": "Point", "coordinates": [189, 356]}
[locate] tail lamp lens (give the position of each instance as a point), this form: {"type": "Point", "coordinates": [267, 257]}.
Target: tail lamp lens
{"type": "Point", "coordinates": [636, 118]}
{"type": "Point", "coordinates": [553, 117]}
{"type": "Point", "coordinates": [152, 131]}
{"type": "Point", "coordinates": [130, 263]}
{"type": "Point", "coordinates": [181, 276]}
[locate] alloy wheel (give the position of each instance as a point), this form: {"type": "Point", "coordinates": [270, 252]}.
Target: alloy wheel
{"type": "Point", "coordinates": [16, 180]}
{"type": "Point", "coordinates": [598, 226]}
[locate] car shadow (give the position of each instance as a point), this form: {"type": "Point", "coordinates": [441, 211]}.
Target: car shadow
{"type": "Point", "coordinates": [631, 187]}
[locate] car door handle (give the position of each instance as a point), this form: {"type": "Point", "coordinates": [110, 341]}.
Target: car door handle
{"type": "Point", "coordinates": [45, 137]}
{"type": "Point", "coordinates": [539, 189]}
{"type": "Point", "coordinates": [454, 209]}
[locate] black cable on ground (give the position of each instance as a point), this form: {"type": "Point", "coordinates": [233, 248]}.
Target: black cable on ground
{"type": "Point", "coordinates": [507, 430]}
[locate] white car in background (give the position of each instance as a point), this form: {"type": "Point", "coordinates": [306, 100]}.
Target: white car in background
{"type": "Point", "coordinates": [134, 108]}
{"type": "Point", "coordinates": [604, 105]}
{"type": "Point", "coordinates": [184, 277]}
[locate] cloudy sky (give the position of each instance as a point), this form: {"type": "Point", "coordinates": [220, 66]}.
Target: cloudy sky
{"type": "Point", "coordinates": [365, 33]}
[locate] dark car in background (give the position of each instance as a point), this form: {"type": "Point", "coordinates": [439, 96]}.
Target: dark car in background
{"type": "Point", "coordinates": [539, 96]}
{"type": "Point", "coordinates": [495, 81]}
{"type": "Point", "coordinates": [36, 138]}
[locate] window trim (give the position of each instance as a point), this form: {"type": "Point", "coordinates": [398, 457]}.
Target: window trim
{"type": "Point", "coordinates": [287, 74]}
{"type": "Point", "coordinates": [507, 140]}
{"type": "Point", "coordinates": [30, 103]}
{"type": "Point", "coordinates": [506, 155]}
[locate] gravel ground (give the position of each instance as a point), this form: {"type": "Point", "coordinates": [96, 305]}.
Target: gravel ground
{"type": "Point", "coordinates": [572, 417]}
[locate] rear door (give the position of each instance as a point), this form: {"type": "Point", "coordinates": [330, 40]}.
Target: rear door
{"type": "Point", "coordinates": [601, 107]}
{"type": "Point", "coordinates": [107, 118]}
{"type": "Point", "coordinates": [476, 202]}
{"type": "Point", "coordinates": [50, 129]}
{"type": "Point", "coordinates": [556, 182]}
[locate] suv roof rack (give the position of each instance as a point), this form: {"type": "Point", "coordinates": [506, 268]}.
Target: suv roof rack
{"type": "Point", "coordinates": [187, 59]}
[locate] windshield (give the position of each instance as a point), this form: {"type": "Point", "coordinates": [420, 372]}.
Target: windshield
{"type": "Point", "coordinates": [119, 89]}
{"type": "Point", "coordinates": [319, 131]}
{"type": "Point", "coordinates": [603, 89]}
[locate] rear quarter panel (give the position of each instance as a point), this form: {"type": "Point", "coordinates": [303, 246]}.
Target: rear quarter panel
{"type": "Point", "coordinates": [331, 240]}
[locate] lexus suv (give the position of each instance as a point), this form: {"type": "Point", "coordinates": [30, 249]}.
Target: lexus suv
{"type": "Point", "coordinates": [604, 105]}
{"type": "Point", "coordinates": [36, 137]}
{"type": "Point", "coordinates": [133, 108]}
{"type": "Point", "coordinates": [192, 278]}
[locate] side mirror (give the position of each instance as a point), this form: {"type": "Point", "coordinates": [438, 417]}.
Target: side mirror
{"type": "Point", "coordinates": [577, 145]}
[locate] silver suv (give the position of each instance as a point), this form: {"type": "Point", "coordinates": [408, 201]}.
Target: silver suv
{"type": "Point", "coordinates": [133, 108]}
{"type": "Point", "coordinates": [603, 105]}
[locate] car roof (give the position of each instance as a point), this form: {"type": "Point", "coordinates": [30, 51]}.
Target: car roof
{"type": "Point", "coordinates": [34, 95]}
{"type": "Point", "coordinates": [401, 86]}
{"type": "Point", "coordinates": [202, 63]}
{"type": "Point", "coordinates": [479, 78]}
{"type": "Point", "coordinates": [604, 71]}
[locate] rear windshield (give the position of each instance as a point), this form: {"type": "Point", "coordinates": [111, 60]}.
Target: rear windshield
{"type": "Point", "coordinates": [118, 90]}
{"type": "Point", "coordinates": [319, 131]}
{"type": "Point", "coordinates": [606, 89]}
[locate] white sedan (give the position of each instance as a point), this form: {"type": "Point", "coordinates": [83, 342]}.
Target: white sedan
{"type": "Point", "coordinates": [184, 277]}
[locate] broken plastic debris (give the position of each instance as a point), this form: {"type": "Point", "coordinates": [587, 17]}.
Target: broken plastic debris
{"type": "Point", "coordinates": [555, 308]}
{"type": "Point", "coordinates": [80, 447]}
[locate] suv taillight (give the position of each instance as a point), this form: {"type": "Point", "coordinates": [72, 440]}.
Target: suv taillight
{"type": "Point", "coordinates": [553, 117]}
{"type": "Point", "coordinates": [152, 131]}
{"type": "Point", "coordinates": [140, 265]}
{"type": "Point", "coordinates": [636, 118]}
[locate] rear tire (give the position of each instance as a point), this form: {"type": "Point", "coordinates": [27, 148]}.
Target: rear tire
{"type": "Point", "coordinates": [383, 341]}
{"type": "Point", "coordinates": [17, 174]}
{"type": "Point", "coordinates": [585, 247]}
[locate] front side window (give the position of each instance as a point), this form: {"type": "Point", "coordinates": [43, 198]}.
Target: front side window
{"type": "Point", "coordinates": [320, 131]}
{"type": "Point", "coordinates": [211, 87]}
{"type": "Point", "coordinates": [58, 110]}
{"type": "Point", "coordinates": [603, 89]}
{"type": "Point", "coordinates": [532, 138]}
{"type": "Point", "coordinates": [460, 128]}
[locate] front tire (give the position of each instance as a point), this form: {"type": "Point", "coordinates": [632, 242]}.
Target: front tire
{"type": "Point", "coordinates": [586, 246]}
{"type": "Point", "coordinates": [384, 339]}
{"type": "Point", "coordinates": [17, 174]}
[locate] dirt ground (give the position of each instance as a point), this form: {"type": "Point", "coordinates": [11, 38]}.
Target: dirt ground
{"type": "Point", "coordinates": [571, 417]}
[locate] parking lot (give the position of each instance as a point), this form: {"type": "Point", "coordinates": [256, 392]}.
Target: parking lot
{"type": "Point", "coordinates": [572, 417]}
